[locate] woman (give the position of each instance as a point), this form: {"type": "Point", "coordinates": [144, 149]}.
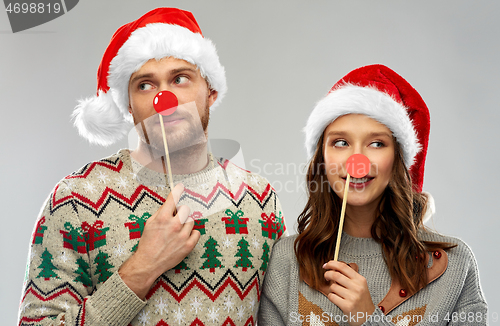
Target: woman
{"type": "Point", "coordinates": [394, 272]}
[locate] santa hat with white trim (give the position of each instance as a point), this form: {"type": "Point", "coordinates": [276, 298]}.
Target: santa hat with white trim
{"type": "Point", "coordinates": [383, 95]}
{"type": "Point", "coordinates": [163, 32]}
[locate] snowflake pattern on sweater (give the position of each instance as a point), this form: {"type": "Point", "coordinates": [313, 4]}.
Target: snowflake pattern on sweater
{"type": "Point", "coordinates": [93, 220]}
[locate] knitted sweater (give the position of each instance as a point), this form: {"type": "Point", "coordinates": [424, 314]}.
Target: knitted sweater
{"type": "Point", "coordinates": [92, 222]}
{"type": "Point", "coordinates": [454, 297]}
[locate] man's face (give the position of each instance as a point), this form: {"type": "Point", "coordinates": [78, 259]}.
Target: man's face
{"type": "Point", "coordinates": [189, 122]}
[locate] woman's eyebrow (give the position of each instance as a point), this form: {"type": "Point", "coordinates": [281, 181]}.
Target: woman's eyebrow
{"type": "Point", "coordinates": [378, 134]}
{"type": "Point", "coordinates": [336, 133]}
{"type": "Point", "coordinates": [345, 133]}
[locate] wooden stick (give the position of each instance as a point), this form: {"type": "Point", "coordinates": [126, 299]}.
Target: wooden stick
{"type": "Point", "coordinates": [166, 153]}
{"type": "Point", "coordinates": [342, 214]}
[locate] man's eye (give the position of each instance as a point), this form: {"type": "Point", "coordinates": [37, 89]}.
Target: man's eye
{"type": "Point", "coordinates": [181, 80]}
{"type": "Point", "coordinates": [340, 143]}
{"type": "Point", "coordinates": [145, 86]}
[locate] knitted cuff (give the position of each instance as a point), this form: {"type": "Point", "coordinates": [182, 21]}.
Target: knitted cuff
{"type": "Point", "coordinates": [115, 303]}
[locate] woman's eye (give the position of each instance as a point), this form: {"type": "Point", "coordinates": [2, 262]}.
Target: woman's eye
{"type": "Point", "coordinates": [377, 144]}
{"type": "Point", "coordinates": [180, 80]}
{"type": "Point", "coordinates": [145, 86]}
{"type": "Point", "coordinates": [340, 143]}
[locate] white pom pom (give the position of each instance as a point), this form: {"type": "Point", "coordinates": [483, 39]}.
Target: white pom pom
{"type": "Point", "coordinates": [99, 120]}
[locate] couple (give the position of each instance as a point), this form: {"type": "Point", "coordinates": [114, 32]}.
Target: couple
{"type": "Point", "coordinates": [115, 245]}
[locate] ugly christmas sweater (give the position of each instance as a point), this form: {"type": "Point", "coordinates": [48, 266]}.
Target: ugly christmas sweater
{"type": "Point", "coordinates": [92, 222]}
{"type": "Point", "coordinates": [452, 297]}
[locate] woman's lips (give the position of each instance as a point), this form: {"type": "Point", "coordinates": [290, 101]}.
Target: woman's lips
{"type": "Point", "coordinates": [359, 185]}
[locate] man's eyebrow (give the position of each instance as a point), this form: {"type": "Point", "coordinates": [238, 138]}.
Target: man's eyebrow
{"type": "Point", "coordinates": [149, 75]}
{"type": "Point", "coordinates": [172, 72]}
{"type": "Point", "coordinates": [181, 69]}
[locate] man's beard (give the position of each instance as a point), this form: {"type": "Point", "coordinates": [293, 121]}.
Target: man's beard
{"type": "Point", "coordinates": [181, 142]}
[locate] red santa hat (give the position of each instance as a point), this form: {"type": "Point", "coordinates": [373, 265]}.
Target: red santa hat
{"type": "Point", "coordinates": [163, 32]}
{"type": "Point", "coordinates": [383, 95]}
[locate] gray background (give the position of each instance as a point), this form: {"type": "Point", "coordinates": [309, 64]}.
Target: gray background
{"type": "Point", "coordinates": [280, 58]}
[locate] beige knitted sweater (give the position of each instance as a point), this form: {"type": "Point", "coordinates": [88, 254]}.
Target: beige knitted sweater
{"type": "Point", "coordinates": [92, 222]}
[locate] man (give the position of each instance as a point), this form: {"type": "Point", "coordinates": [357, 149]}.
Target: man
{"type": "Point", "coordinates": [201, 257]}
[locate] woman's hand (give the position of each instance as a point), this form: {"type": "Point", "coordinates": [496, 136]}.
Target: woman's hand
{"type": "Point", "coordinates": [349, 291]}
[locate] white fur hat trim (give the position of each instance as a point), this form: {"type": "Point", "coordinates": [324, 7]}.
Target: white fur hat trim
{"type": "Point", "coordinates": [351, 99]}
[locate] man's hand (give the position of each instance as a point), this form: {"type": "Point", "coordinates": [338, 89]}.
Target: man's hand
{"type": "Point", "coordinates": [166, 240]}
{"type": "Point", "coordinates": [349, 291]}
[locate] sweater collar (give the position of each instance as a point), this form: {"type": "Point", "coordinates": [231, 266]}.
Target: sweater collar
{"type": "Point", "coordinates": [150, 177]}
{"type": "Point", "coordinates": [359, 247]}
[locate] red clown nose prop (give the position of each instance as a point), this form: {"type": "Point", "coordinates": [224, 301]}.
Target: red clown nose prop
{"type": "Point", "coordinates": [165, 103]}
{"type": "Point", "coordinates": [358, 165]}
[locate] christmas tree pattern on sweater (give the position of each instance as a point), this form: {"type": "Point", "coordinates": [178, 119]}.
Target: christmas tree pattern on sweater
{"type": "Point", "coordinates": [93, 220]}
{"type": "Point", "coordinates": [210, 255]}
{"type": "Point", "coordinates": [243, 254]}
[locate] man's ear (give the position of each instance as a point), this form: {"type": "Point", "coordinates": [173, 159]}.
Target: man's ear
{"type": "Point", "coordinates": [212, 96]}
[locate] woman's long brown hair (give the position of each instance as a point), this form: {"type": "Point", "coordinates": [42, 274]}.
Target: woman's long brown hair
{"type": "Point", "coordinates": [399, 218]}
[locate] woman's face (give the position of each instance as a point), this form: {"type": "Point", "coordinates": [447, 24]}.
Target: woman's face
{"type": "Point", "coordinates": [352, 134]}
